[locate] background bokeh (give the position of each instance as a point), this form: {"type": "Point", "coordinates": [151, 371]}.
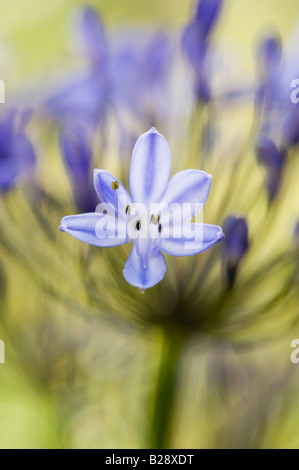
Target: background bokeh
{"type": "Point", "coordinates": [77, 375]}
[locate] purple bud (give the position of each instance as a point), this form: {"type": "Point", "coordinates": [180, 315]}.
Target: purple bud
{"type": "Point", "coordinates": [273, 160]}
{"type": "Point", "coordinates": [234, 246]}
{"type": "Point", "coordinates": [207, 13]}
{"type": "Point", "coordinates": [269, 54]}
{"type": "Point", "coordinates": [76, 148]}
{"type": "Point", "coordinates": [94, 38]}
{"type": "Point", "coordinates": [268, 57]}
{"type": "Point", "coordinates": [196, 33]}
{"type": "Point", "coordinates": [195, 44]}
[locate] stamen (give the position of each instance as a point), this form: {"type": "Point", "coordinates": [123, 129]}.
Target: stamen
{"type": "Point", "coordinates": [115, 185]}
{"type": "Point", "coordinates": [155, 219]}
{"type": "Point", "coordinates": [128, 209]}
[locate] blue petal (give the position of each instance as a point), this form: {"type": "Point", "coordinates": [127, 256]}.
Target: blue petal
{"type": "Point", "coordinates": [23, 151]}
{"type": "Point", "coordinates": [187, 246]}
{"type": "Point", "coordinates": [150, 167]}
{"type": "Point", "coordinates": [76, 146]}
{"type": "Point", "coordinates": [18, 162]}
{"type": "Point", "coordinates": [188, 187]}
{"type": "Point", "coordinates": [90, 228]}
{"type": "Point", "coordinates": [195, 35]}
{"type": "Point", "coordinates": [94, 38]}
{"type": "Point", "coordinates": [140, 71]}
{"type": "Point", "coordinates": [119, 198]}
{"type": "Point", "coordinates": [142, 276]}
{"type": "Point", "coordinates": [82, 95]}
{"type": "Point", "coordinates": [207, 14]}
{"type": "Point", "coordinates": [193, 45]}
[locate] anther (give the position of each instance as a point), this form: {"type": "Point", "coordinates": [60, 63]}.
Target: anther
{"type": "Point", "coordinates": [128, 209]}
{"type": "Point", "coordinates": [160, 228]}
{"type": "Point", "coordinates": [115, 185]}
{"type": "Point", "coordinates": [138, 225]}
{"type": "Point", "coordinates": [155, 219]}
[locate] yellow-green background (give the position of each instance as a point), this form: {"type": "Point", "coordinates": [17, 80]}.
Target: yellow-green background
{"type": "Point", "coordinates": [118, 367]}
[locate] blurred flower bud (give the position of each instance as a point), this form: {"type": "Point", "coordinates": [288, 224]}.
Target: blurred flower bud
{"type": "Point", "coordinates": [272, 159]}
{"type": "Point", "coordinates": [269, 54]}
{"type": "Point", "coordinates": [234, 246]}
{"type": "Point", "coordinates": [94, 38]}
{"type": "Point", "coordinates": [195, 43]}
{"type": "Point", "coordinates": [206, 16]}
{"type": "Point", "coordinates": [76, 148]}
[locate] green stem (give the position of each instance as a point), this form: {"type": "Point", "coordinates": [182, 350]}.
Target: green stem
{"type": "Point", "coordinates": [165, 390]}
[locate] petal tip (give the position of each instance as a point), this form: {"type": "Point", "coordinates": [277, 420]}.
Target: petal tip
{"type": "Point", "coordinates": [62, 226]}
{"type": "Point", "coordinates": [220, 234]}
{"type": "Point", "coordinates": [96, 171]}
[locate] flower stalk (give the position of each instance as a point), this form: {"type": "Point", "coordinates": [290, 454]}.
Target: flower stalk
{"type": "Point", "coordinates": [165, 392]}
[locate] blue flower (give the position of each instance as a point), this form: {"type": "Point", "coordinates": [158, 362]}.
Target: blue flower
{"type": "Point", "coordinates": [235, 246]}
{"type": "Point", "coordinates": [87, 94]}
{"type": "Point", "coordinates": [17, 156]}
{"type": "Point", "coordinates": [155, 216]}
{"type": "Point", "coordinates": [127, 75]}
{"type": "Point", "coordinates": [196, 45]}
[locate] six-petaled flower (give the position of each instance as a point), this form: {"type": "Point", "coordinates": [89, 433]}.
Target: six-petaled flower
{"type": "Point", "coordinates": [152, 231]}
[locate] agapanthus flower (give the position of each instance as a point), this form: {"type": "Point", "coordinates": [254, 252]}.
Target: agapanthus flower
{"type": "Point", "coordinates": [127, 74]}
{"type": "Point", "coordinates": [152, 215]}
{"type": "Point", "coordinates": [17, 156]}
{"type": "Point", "coordinates": [85, 94]}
